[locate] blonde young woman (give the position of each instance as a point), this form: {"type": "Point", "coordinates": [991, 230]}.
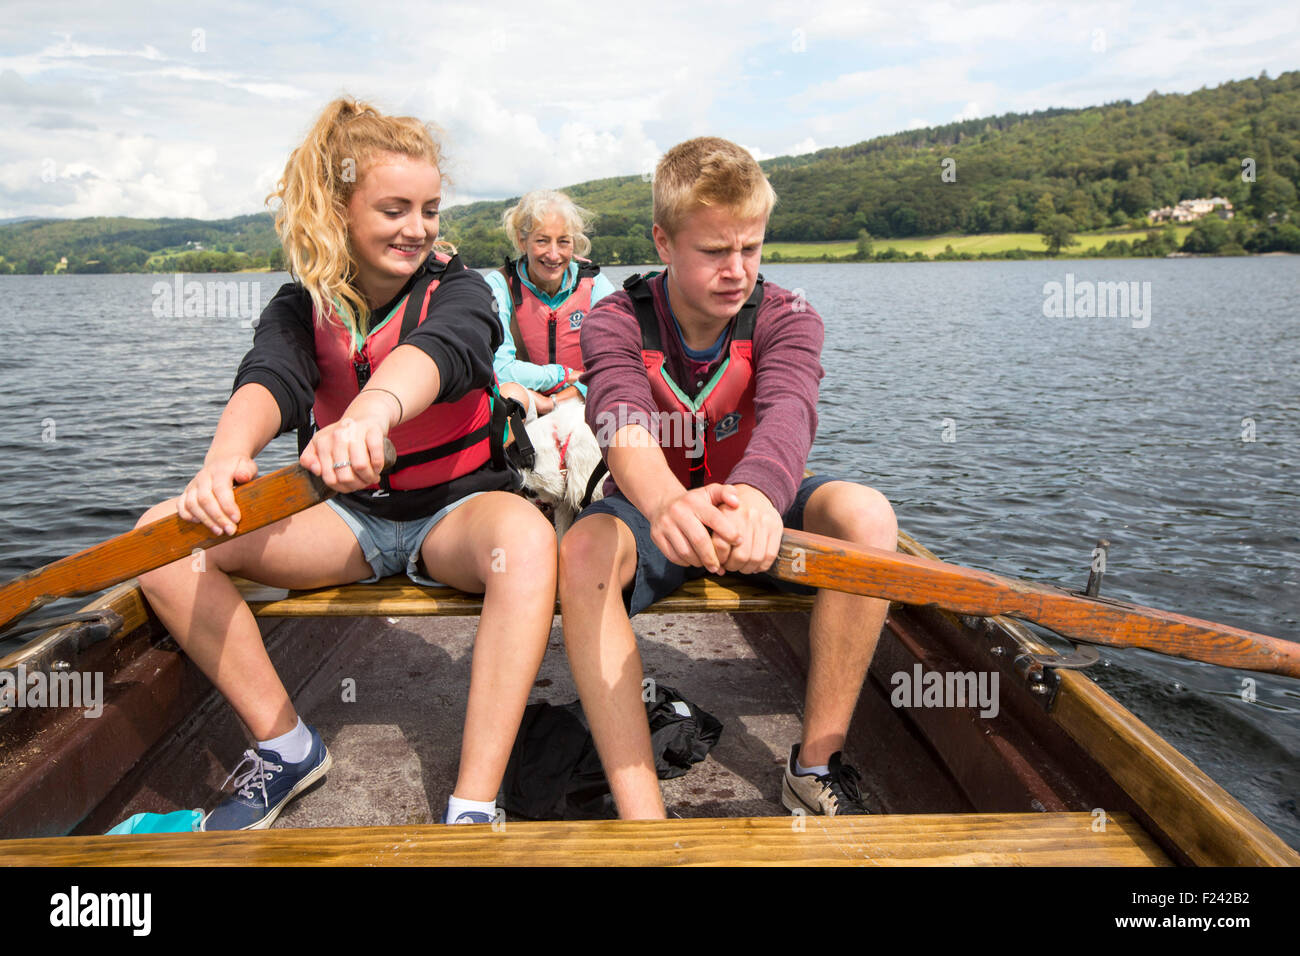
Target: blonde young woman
{"type": "Point", "coordinates": [378, 337]}
{"type": "Point", "coordinates": [543, 295]}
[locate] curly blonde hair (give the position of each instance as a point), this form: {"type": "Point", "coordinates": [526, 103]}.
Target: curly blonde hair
{"type": "Point", "coordinates": [318, 182]}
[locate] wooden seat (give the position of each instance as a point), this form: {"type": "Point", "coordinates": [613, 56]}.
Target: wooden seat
{"type": "Point", "coordinates": [989, 839]}
{"type": "Point", "coordinates": [400, 597]}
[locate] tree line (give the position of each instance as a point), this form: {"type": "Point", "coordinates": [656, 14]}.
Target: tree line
{"type": "Point", "coordinates": [1056, 172]}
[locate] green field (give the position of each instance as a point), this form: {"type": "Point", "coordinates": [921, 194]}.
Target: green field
{"type": "Point", "coordinates": [933, 245]}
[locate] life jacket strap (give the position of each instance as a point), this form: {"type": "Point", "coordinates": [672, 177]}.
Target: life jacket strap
{"type": "Point", "coordinates": [511, 273]}
{"type": "Point", "coordinates": [643, 305]}
{"type": "Point", "coordinates": [698, 471]}
{"type": "Point", "coordinates": [520, 453]}
{"type": "Point", "coordinates": [411, 459]}
{"type": "Point", "coordinates": [744, 329]}
{"type": "Point", "coordinates": [593, 483]}
{"type": "Point", "coordinates": [434, 270]}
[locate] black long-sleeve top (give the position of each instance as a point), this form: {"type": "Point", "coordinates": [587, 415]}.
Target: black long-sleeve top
{"type": "Point", "coordinates": [460, 334]}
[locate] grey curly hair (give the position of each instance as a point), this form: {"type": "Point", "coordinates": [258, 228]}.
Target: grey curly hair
{"type": "Point", "coordinates": [523, 217]}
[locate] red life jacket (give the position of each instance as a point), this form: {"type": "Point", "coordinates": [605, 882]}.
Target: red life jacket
{"type": "Point", "coordinates": [546, 336]}
{"type": "Point", "coordinates": [721, 413]}
{"type": "Point", "coordinates": [446, 440]}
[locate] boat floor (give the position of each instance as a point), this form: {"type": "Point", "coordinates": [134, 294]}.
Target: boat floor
{"type": "Point", "coordinates": [396, 753]}
{"type": "Point", "coordinates": [396, 746]}
{"type": "Point", "coordinates": [396, 749]}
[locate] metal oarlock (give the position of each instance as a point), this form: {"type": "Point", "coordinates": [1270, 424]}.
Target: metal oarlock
{"type": "Point", "coordinates": [1093, 587]}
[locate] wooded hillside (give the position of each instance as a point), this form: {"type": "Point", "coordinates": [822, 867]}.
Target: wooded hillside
{"type": "Point", "coordinates": [1105, 166]}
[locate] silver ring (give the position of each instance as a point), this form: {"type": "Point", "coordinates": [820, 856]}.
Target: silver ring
{"type": "Point", "coordinates": [342, 464]}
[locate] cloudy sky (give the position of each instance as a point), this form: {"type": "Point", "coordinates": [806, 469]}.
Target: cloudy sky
{"type": "Point", "coordinates": [190, 109]}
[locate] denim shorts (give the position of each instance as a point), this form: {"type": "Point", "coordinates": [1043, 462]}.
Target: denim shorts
{"type": "Point", "coordinates": [391, 547]}
{"type": "Point", "coordinates": [657, 577]}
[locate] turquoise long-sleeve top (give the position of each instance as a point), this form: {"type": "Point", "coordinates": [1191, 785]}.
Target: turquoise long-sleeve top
{"type": "Point", "coordinates": [509, 368]}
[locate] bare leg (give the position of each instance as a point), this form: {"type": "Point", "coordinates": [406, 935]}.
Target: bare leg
{"type": "Point", "coordinates": [844, 628]}
{"type": "Point", "coordinates": [498, 545]}
{"type": "Point", "coordinates": [195, 598]}
{"type": "Point", "coordinates": [597, 561]}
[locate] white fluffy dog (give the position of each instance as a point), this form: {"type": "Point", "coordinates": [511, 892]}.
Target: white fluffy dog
{"type": "Point", "coordinates": [566, 455]}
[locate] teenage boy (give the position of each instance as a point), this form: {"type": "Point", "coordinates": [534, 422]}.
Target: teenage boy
{"type": "Point", "coordinates": [702, 387]}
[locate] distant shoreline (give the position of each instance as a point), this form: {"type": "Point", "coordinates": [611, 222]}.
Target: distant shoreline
{"type": "Point", "coordinates": [949, 247]}
{"type": "Point", "coordinates": [782, 261]}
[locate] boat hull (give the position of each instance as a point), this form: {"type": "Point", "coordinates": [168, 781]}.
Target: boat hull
{"type": "Point", "coordinates": [1057, 753]}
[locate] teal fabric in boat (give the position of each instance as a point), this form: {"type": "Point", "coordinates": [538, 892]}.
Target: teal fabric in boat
{"type": "Point", "coordinates": [182, 821]}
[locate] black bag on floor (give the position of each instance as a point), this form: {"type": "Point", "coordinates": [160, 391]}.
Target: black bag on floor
{"type": "Point", "coordinates": [555, 773]}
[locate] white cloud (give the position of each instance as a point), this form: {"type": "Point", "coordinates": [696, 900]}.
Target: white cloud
{"type": "Point", "coordinates": [269, 90]}
{"type": "Point", "coordinates": [527, 98]}
{"type": "Point", "coordinates": [929, 82]}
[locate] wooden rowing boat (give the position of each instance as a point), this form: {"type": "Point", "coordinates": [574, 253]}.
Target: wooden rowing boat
{"type": "Point", "coordinates": [1062, 774]}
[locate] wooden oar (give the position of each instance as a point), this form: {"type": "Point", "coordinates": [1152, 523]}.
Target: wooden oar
{"type": "Point", "coordinates": [261, 502]}
{"type": "Point", "coordinates": [828, 563]}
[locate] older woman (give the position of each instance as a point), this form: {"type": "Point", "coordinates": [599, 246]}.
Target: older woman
{"type": "Point", "coordinates": [543, 295]}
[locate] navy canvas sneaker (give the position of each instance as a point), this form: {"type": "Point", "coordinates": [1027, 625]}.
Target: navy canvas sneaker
{"type": "Point", "coordinates": [268, 783]}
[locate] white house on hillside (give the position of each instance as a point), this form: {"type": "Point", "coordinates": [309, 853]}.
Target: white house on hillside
{"type": "Point", "coordinates": [1189, 210]}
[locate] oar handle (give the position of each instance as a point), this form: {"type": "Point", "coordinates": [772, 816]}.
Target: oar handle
{"type": "Point", "coordinates": [261, 502]}
{"type": "Point", "coordinates": [823, 562]}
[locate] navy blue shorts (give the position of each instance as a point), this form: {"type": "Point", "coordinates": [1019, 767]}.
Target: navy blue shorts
{"type": "Point", "coordinates": [657, 577]}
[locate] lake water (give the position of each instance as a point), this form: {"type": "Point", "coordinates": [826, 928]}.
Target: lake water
{"type": "Point", "coordinates": [1007, 439]}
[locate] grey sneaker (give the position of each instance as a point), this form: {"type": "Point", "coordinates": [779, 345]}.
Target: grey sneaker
{"type": "Point", "coordinates": [829, 795]}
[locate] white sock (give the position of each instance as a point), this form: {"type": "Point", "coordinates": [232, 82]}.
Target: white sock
{"type": "Point", "coordinates": [456, 806]}
{"type": "Point", "coordinates": [800, 770]}
{"type": "Point", "coordinates": [292, 747]}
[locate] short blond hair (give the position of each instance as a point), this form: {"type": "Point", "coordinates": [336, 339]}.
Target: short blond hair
{"type": "Point", "coordinates": [521, 219]}
{"type": "Point", "coordinates": [709, 171]}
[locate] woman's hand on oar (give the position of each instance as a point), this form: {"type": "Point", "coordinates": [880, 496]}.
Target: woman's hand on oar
{"type": "Point", "coordinates": [258, 503]}
{"type": "Point", "coordinates": [349, 454]}
{"type": "Point", "coordinates": [209, 498]}
{"type": "Point", "coordinates": [828, 563]}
